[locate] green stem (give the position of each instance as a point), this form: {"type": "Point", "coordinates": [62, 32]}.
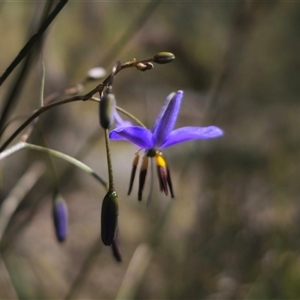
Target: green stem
{"type": "Point", "coordinates": [35, 115]}
{"type": "Point", "coordinates": [39, 111]}
{"type": "Point", "coordinates": [33, 40]}
{"type": "Point", "coordinates": [54, 153]}
{"type": "Point", "coordinates": [111, 186]}
{"type": "Point", "coordinates": [50, 161]}
{"type": "Point", "coordinates": [129, 115]}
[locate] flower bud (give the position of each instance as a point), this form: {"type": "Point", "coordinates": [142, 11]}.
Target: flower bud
{"type": "Point", "coordinates": [106, 108]}
{"type": "Point", "coordinates": [109, 217]}
{"type": "Point", "coordinates": [141, 66]}
{"type": "Point", "coordinates": [163, 57]}
{"type": "Point", "coordinates": [60, 217]}
{"type": "Point", "coordinates": [144, 66]}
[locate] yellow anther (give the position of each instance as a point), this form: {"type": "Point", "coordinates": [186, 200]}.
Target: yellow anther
{"type": "Point", "coordinates": [160, 161]}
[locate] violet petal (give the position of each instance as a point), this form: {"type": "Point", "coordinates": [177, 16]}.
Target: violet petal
{"type": "Point", "coordinates": [167, 121]}
{"type": "Point", "coordinates": [141, 137]}
{"type": "Point", "coordinates": [184, 134]}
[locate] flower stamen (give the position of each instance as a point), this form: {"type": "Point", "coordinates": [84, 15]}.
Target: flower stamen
{"type": "Point", "coordinates": [163, 173]}
{"type": "Point", "coordinates": [142, 179]}
{"type": "Point", "coordinates": [133, 171]}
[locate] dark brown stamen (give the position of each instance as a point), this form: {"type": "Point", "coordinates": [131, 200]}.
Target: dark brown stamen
{"type": "Point", "coordinates": [170, 183]}
{"type": "Point", "coordinates": [161, 184]}
{"type": "Point", "coordinates": [133, 171]}
{"type": "Point", "coordinates": [163, 177]}
{"type": "Point", "coordinates": [142, 179]}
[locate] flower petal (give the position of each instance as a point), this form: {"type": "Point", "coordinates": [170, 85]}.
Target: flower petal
{"type": "Point", "coordinates": [165, 122]}
{"type": "Point", "coordinates": [120, 122]}
{"type": "Point", "coordinates": [141, 137]}
{"type": "Point", "coordinates": [162, 111]}
{"type": "Point", "coordinates": [184, 134]}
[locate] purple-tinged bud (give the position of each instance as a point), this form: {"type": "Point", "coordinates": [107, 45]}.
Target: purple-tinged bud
{"type": "Point", "coordinates": [60, 217]}
{"type": "Point", "coordinates": [109, 217]}
{"type": "Point", "coordinates": [107, 109]}
{"type": "Point", "coordinates": [163, 57]}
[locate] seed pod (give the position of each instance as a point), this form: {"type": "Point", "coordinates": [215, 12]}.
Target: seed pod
{"type": "Point", "coordinates": [60, 217]}
{"type": "Point", "coordinates": [107, 108]}
{"type": "Point", "coordinates": [163, 57]}
{"type": "Point", "coordinates": [109, 217]}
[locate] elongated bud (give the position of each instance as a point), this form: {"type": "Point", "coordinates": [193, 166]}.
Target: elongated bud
{"type": "Point", "coordinates": [109, 217]}
{"type": "Point", "coordinates": [106, 108]}
{"type": "Point", "coordinates": [133, 171]}
{"type": "Point", "coordinates": [163, 57]}
{"type": "Point", "coordinates": [142, 179]}
{"type": "Point", "coordinates": [60, 217]}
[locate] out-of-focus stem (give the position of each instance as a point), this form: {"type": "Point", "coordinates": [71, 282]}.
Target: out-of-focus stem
{"type": "Point", "coordinates": [55, 153]}
{"type": "Point", "coordinates": [17, 194]}
{"type": "Point", "coordinates": [135, 272]}
{"type": "Point", "coordinates": [6, 277]}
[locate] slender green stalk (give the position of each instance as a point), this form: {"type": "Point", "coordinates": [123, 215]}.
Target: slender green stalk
{"type": "Point", "coordinates": [39, 111]}
{"type": "Point", "coordinates": [135, 272]}
{"type": "Point", "coordinates": [65, 157]}
{"type": "Point", "coordinates": [17, 194]}
{"type": "Point", "coordinates": [43, 84]}
{"type": "Point", "coordinates": [7, 276]}
{"type": "Point", "coordinates": [35, 115]}
{"type": "Point", "coordinates": [50, 161]}
{"type": "Point", "coordinates": [84, 270]}
{"type": "Point", "coordinates": [33, 40]}
{"type": "Point", "coordinates": [129, 115]}
{"type": "Point", "coordinates": [111, 186]}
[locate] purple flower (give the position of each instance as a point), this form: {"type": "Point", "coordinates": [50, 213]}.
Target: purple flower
{"type": "Point", "coordinates": [159, 137]}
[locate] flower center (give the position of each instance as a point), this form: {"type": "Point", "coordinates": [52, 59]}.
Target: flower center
{"type": "Point", "coordinates": [151, 152]}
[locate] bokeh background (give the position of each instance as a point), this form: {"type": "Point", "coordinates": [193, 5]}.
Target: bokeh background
{"type": "Point", "coordinates": [233, 230]}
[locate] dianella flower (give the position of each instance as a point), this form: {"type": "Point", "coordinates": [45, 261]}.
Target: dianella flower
{"type": "Point", "coordinates": [162, 135]}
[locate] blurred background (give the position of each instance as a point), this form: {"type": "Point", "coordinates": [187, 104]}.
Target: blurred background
{"type": "Point", "coordinates": [233, 229]}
